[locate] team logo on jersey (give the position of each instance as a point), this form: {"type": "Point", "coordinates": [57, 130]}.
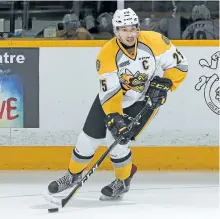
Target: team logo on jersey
{"type": "Point", "coordinates": [210, 84]}
{"type": "Point", "coordinates": [134, 82]}
{"type": "Point", "coordinates": [97, 65]}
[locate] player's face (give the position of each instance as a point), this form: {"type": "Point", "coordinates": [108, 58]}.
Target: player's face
{"type": "Point", "coordinates": [128, 35]}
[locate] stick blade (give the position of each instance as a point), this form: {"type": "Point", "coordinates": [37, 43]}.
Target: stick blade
{"type": "Point", "coordinates": [65, 200]}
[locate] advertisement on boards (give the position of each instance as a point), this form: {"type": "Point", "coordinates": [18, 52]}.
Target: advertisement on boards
{"type": "Point", "coordinates": [19, 88]}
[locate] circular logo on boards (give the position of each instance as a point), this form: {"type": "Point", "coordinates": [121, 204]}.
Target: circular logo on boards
{"type": "Point", "coordinates": [210, 84]}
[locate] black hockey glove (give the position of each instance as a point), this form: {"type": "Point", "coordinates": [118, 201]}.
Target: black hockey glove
{"type": "Point", "coordinates": [157, 91]}
{"type": "Point", "coordinates": [116, 125]}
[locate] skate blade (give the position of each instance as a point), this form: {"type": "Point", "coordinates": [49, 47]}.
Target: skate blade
{"type": "Point", "coordinates": [109, 198]}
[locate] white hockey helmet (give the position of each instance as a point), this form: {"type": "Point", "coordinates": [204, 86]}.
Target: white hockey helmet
{"type": "Point", "coordinates": [71, 21]}
{"type": "Point", "coordinates": [200, 12]}
{"type": "Point", "coordinates": [124, 17]}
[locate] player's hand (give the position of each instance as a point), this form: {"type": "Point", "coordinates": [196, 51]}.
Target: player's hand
{"type": "Point", "coordinates": [157, 91]}
{"type": "Point", "coordinates": [116, 125]}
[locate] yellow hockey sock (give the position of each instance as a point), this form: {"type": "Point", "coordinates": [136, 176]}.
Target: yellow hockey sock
{"type": "Point", "coordinates": [78, 162]}
{"type": "Point", "coordinates": [124, 172]}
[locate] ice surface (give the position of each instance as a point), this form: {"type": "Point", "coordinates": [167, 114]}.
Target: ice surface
{"type": "Point", "coordinates": [153, 195]}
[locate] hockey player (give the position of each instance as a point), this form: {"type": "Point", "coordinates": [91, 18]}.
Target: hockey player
{"type": "Point", "coordinates": [131, 66]}
{"type": "Point", "coordinates": [71, 29]}
{"type": "Point", "coordinates": [202, 27]}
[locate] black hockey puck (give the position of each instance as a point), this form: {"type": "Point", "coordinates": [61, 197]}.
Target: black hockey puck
{"type": "Point", "coordinates": [52, 210]}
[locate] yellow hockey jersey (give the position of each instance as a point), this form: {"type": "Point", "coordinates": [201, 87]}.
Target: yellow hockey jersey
{"type": "Point", "coordinates": [125, 78]}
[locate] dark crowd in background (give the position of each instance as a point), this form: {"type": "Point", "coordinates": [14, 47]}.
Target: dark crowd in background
{"type": "Point", "coordinates": [87, 20]}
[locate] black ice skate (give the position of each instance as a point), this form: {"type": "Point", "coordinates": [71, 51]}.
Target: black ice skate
{"type": "Point", "coordinates": [117, 188]}
{"type": "Point", "coordinates": [65, 182]}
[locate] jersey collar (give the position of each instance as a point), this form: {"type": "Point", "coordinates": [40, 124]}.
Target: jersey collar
{"type": "Point", "coordinates": [126, 52]}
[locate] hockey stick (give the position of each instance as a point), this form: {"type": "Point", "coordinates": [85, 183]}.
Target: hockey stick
{"type": "Point", "coordinates": [97, 164]}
